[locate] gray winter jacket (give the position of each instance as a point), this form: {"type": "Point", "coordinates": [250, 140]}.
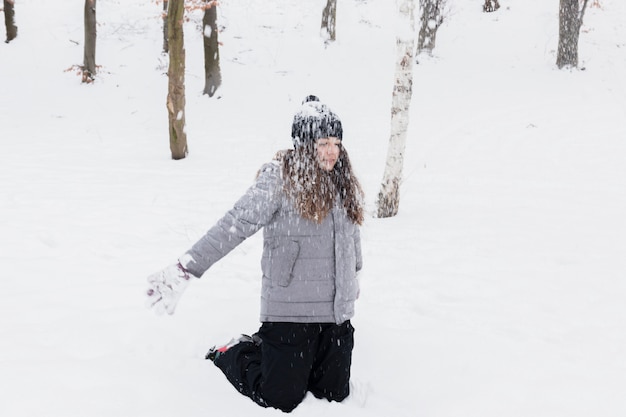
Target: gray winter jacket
{"type": "Point", "coordinates": [309, 269]}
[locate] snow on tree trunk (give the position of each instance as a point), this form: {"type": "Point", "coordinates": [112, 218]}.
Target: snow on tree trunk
{"type": "Point", "coordinates": [89, 53]}
{"type": "Point", "coordinates": [9, 20]}
{"type": "Point", "coordinates": [213, 75]}
{"type": "Point", "coordinates": [329, 20]}
{"type": "Point", "coordinates": [389, 196]}
{"type": "Point", "coordinates": [570, 22]}
{"type": "Point", "coordinates": [431, 19]}
{"type": "Point", "coordinates": [176, 80]}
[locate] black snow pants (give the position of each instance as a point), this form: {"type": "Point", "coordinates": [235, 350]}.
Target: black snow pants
{"type": "Point", "coordinates": [292, 358]}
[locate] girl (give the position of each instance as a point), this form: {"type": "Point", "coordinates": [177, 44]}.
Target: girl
{"type": "Point", "coordinates": [309, 204]}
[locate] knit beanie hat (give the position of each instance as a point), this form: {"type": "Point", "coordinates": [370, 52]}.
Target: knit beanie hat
{"type": "Point", "coordinates": [313, 121]}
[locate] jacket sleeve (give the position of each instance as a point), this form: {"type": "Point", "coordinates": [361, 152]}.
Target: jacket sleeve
{"type": "Point", "coordinates": [249, 214]}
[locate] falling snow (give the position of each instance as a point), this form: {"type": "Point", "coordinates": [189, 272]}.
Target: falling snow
{"type": "Point", "coordinates": [497, 291]}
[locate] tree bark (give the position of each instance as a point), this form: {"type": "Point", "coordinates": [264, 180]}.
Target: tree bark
{"type": "Point", "coordinates": [165, 45]}
{"type": "Point", "coordinates": [9, 20]}
{"type": "Point", "coordinates": [89, 55]}
{"type": "Point", "coordinates": [329, 21]}
{"type": "Point", "coordinates": [491, 6]}
{"type": "Point", "coordinates": [213, 75]}
{"type": "Point", "coordinates": [570, 22]}
{"type": "Point", "coordinates": [176, 80]}
{"type": "Point", "coordinates": [432, 18]}
{"type": "Point", "coordinates": [388, 202]}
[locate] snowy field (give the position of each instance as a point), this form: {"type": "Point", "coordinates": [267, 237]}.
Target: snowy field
{"type": "Point", "coordinates": [498, 291]}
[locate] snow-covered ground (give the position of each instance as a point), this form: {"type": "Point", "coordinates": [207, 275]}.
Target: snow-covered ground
{"type": "Point", "coordinates": [497, 291]}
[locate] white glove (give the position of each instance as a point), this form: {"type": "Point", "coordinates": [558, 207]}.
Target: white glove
{"type": "Point", "coordinates": [166, 288]}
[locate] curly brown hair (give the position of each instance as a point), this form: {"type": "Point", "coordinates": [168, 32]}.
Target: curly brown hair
{"type": "Point", "coordinates": [314, 190]}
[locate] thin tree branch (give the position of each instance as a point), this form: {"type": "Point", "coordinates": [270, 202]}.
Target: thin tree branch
{"type": "Point", "coordinates": [582, 13]}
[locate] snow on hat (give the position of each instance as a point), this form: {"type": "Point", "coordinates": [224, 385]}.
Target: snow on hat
{"type": "Point", "coordinates": [313, 121]}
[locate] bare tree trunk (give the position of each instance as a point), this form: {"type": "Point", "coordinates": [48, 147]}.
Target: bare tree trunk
{"type": "Point", "coordinates": [388, 201]}
{"type": "Point", "coordinates": [329, 21]}
{"type": "Point", "coordinates": [176, 80]}
{"type": "Point", "coordinates": [165, 45]}
{"type": "Point", "coordinates": [570, 21]}
{"type": "Point", "coordinates": [212, 73]}
{"type": "Point", "coordinates": [89, 55]}
{"type": "Point", "coordinates": [491, 6]}
{"type": "Point", "coordinates": [432, 18]}
{"type": "Point", "coordinates": [9, 20]}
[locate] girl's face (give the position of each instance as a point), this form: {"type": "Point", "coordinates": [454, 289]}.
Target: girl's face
{"type": "Point", "coordinates": [327, 150]}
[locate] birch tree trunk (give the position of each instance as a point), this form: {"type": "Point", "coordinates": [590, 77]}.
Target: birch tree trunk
{"type": "Point", "coordinates": [89, 53]}
{"type": "Point", "coordinates": [570, 21]}
{"type": "Point", "coordinates": [212, 72]}
{"type": "Point", "coordinates": [388, 201]}
{"type": "Point", "coordinates": [329, 20]}
{"type": "Point", "coordinates": [176, 80]}
{"type": "Point", "coordinates": [9, 20]}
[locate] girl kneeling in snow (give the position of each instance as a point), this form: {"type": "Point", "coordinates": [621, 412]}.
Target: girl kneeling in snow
{"type": "Point", "coordinates": [309, 204]}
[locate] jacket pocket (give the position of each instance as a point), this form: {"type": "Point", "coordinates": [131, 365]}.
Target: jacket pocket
{"type": "Point", "coordinates": [283, 258]}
